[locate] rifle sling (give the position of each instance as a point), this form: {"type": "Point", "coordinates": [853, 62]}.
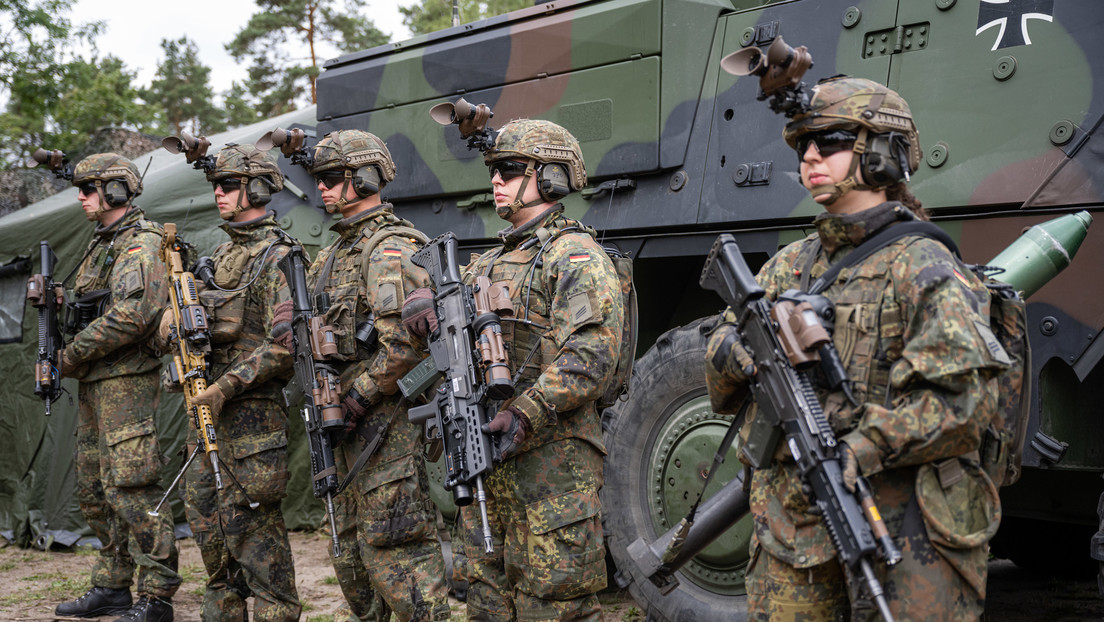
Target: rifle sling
{"type": "Point", "coordinates": [369, 449]}
{"type": "Point", "coordinates": [878, 241]}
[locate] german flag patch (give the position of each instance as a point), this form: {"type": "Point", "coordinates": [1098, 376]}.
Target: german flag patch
{"type": "Point", "coordinates": [578, 257]}
{"type": "Point", "coordinates": [961, 279]}
{"type": "Point", "coordinates": [133, 249]}
{"type": "Point", "coordinates": [392, 252]}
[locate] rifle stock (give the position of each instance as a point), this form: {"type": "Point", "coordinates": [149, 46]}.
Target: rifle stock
{"type": "Point", "coordinates": [467, 349]}
{"type": "Point", "coordinates": [319, 383]}
{"type": "Point", "coordinates": [780, 348]}
{"type": "Point", "coordinates": [45, 295]}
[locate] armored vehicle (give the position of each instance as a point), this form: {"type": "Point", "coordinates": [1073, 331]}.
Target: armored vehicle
{"type": "Point", "coordinates": [1007, 94]}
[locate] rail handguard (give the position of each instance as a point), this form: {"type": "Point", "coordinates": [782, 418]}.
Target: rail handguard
{"type": "Point", "coordinates": [467, 349]}
{"type": "Point", "coordinates": [782, 341]}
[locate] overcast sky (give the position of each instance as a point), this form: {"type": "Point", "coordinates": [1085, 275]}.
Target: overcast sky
{"type": "Point", "coordinates": [135, 29]}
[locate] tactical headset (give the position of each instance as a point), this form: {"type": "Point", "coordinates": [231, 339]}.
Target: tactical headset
{"type": "Point", "coordinates": [553, 181]}
{"type": "Point", "coordinates": [886, 160]}
{"type": "Point", "coordinates": [116, 193]}
{"type": "Point", "coordinates": [258, 192]}
{"type": "Point", "coordinates": [366, 180]}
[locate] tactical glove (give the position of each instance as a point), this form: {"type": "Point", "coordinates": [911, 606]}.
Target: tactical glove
{"type": "Point", "coordinates": [418, 314]}
{"type": "Point", "coordinates": [281, 324]}
{"type": "Point", "coordinates": [212, 396]}
{"type": "Point", "coordinates": [849, 465]}
{"type": "Point", "coordinates": [165, 329]}
{"type": "Point", "coordinates": [512, 427]}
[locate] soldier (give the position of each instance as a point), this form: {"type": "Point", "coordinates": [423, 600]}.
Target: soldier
{"type": "Point", "coordinates": [562, 342]}
{"type": "Point", "coordinates": [120, 288]}
{"type": "Point", "coordinates": [387, 523]}
{"type": "Point", "coordinates": [907, 329]}
{"type": "Point", "coordinates": [240, 529]}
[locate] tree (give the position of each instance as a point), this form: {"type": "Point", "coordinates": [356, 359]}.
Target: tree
{"type": "Point", "coordinates": [38, 44]}
{"type": "Point", "coordinates": [181, 93]}
{"type": "Point", "coordinates": [95, 93]}
{"type": "Point", "coordinates": [276, 79]}
{"type": "Point", "coordinates": [433, 15]}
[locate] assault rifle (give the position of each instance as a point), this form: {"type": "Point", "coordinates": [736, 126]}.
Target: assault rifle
{"type": "Point", "coordinates": [192, 337]}
{"type": "Point", "coordinates": [312, 343]}
{"type": "Point", "coordinates": [45, 295]}
{"type": "Point", "coordinates": [467, 348]}
{"type": "Point", "coordinates": [783, 341]}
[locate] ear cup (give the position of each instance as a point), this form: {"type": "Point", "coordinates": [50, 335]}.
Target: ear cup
{"type": "Point", "coordinates": [886, 159]}
{"type": "Point", "coordinates": [257, 192]}
{"type": "Point", "coordinates": [553, 182]}
{"type": "Point", "coordinates": [115, 193]}
{"type": "Point", "coordinates": [366, 181]}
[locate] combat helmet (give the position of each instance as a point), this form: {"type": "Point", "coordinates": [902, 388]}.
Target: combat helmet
{"type": "Point", "coordinates": [887, 145]}
{"type": "Point", "coordinates": [259, 168]}
{"type": "Point", "coordinates": [552, 153]}
{"type": "Point", "coordinates": [116, 178]}
{"type": "Point", "coordinates": [363, 158]}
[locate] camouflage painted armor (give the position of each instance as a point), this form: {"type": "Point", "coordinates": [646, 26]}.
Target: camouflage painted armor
{"type": "Point", "coordinates": [396, 519]}
{"type": "Point", "coordinates": [549, 559]}
{"type": "Point", "coordinates": [910, 328]}
{"type": "Point", "coordinates": [118, 459]}
{"type": "Point", "coordinates": [246, 551]}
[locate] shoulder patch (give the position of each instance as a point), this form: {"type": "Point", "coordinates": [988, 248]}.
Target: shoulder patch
{"type": "Point", "coordinates": [137, 248]}
{"type": "Point", "coordinates": [579, 257]}
{"type": "Point", "coordinates": [133, 282]}
{"type": "Point", "coordinates": [391, 251]}
{"type": "Point", "coordinates": [580, 307]}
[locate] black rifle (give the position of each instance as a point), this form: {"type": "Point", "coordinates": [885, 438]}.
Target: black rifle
{"type": "Point", "coordinates": [784, 340]}
{"type": "Point", "coordinates": [467, 348]}
{"type": "Point", "coordinates": [312, 344]}
{"type": "Point", "coordinates": [45, 295]}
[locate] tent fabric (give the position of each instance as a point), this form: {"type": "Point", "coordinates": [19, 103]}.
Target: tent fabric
{"type": "Point", "coordinates": [37, 482]}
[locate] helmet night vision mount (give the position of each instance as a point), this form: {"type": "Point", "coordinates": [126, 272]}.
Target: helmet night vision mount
{"type": "Point", "coordinates": [472, 121]}
{"type": "Point", "coordinates": [292, 143]}
{"type": "Point", "coordinates": [194, 150]}
{"type": "Point", "coordinates": [780, 69]}
{"type": "Point", "coordinates": [55, 160]}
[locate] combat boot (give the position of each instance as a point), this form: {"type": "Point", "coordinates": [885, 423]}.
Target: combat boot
{"type": "Point", "coordinates": [98, 601]}
{"type": "Point", "coordinates": [149, 609]}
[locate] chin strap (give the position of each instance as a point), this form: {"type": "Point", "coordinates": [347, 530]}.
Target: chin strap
{"type": "Point", "coordinates": [340, 204]}
{"type": "Point", "coordinates": [102, 207]}
{"type": "Point", "coordinates": [509, 210]}
{"type": "Point", "coordinates": [238, 207]}
{"type": "Point", "coordinates": [851, 182]}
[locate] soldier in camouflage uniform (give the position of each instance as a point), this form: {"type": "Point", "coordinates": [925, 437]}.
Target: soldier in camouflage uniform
{"type": "Point", "coordinates": [386, 521]}
{"type": "Point", "coordinates": [120, 290]}
{"type": "Point", "coordinates": [911, 327]}
{"type": "Point", "coordinates": [240, 529]}
{"type": "Point", "coordinates": [563, 340]}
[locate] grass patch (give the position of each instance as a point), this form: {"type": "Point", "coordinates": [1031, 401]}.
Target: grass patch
{"type": "Point", "coordinates": [319, 618]}
{"type": "Point", "coordinates": [6, 566]}
{"type": "Point", "coordinates": [50, 586]}
{"type": "Point", "coordinates": [331, 580]}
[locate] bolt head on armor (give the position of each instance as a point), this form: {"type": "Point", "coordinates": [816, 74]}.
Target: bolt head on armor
{"type": "Point", "coordinates": [352, 149]}
{"type": "Point", "coordinates": [106, 166]}
{"type": "Point", "coordinates": [543, 141]}
{"type": "Point", "coordinates": [854, 103]}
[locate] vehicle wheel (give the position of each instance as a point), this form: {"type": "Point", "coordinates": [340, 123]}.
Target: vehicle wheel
{"type": "Point", "coordinates": [661, 441]}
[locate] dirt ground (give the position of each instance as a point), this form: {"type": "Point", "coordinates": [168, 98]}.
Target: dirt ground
{"type": "Point", "coordinates": [32, 583]}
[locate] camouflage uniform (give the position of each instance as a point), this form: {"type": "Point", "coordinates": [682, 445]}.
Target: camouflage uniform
{"type": "Point", "coordinates": [246, 551]}
{"type": "Point", "coordinates": [118, 459]}
{"type": "Point", "coordinates": [396, 524]}
{"type": "Point", "coordinates": [549, 557]}
{"type": "Point", "coordinates": [906, 329]}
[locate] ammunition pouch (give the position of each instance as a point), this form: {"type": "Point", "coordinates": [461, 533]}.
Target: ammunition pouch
{"type": "Point", "coordinates": [225, 314]}
{"type": "Point", "coordinates": [80, 313]}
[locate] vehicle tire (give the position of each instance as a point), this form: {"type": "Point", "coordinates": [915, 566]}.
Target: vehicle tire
{"type": "Point", "coordinates": [661, 441]}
